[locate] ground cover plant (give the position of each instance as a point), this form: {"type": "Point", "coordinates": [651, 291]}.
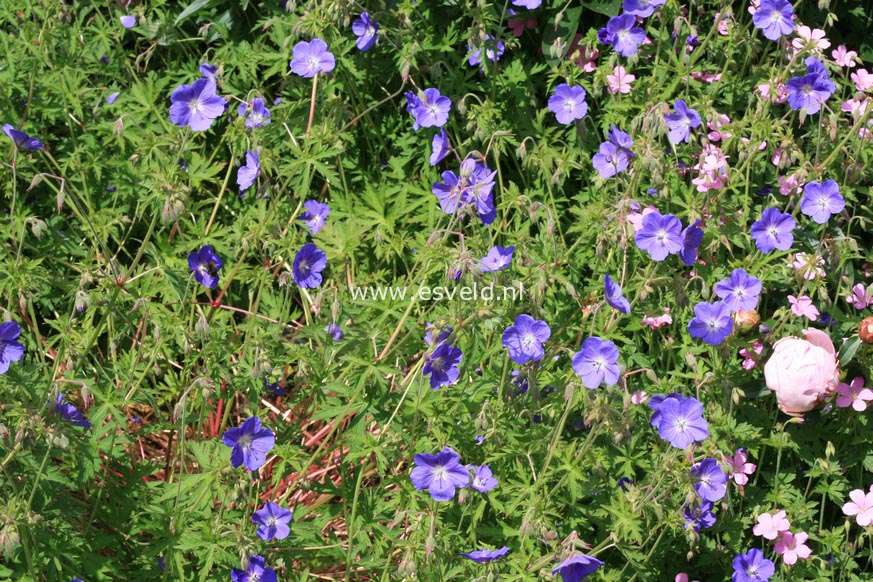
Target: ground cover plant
{"type": "Point", "coordinates": [450, 290]}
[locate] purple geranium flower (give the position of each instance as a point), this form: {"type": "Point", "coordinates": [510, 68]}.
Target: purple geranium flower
{"type": "Point", "coordinates": [335, 331]}
{"type": "Point", "coordinates": [128, 21]}
{"type": "Point", "coordinates": [451, 192]}
{"type": "Point", "coordinates": [205, 264]}
{"type": "Point", "coordinates": [258, 116]}
{"type": "Point", "coordinates": [740, 291]}
{"type": "Point", "coordinates": [413, 103]}
{"type": "Point", "coordinates": [660, 235]}
{"type": "Point", "coordinates": [483, 556]}
{"type": "Point", "coordinates": [524, 339]}
{"type": "Point", "coordinates": [681, 122]}
{"type": "Point", "coordinates": [493, 51]}
{"type": "Point", "coordinates": [248, 173]}
{"type": "Point", "coordinates": [577, 567]}
{"type": "Point", "coordinates": [568, 103]}
{"type": "Point", "coordinates": [529, 4]}
{"type": "Point", "coordinates": [256, 572]}
{"type": "Point", "coordinates": [483, 480]}
{"type": "Point", "coordinates": [822, 200]}
{"type": "Point", "coordinates": [439, 147]}
{"type": "Point", "coordinates": [440, 474]}
{"type": "Point", "coordinates": [497, 259]}
{"type": "Point", "coordinates": [196, 105]}
{"type": "Point", "coordinates": [811, 90]}
{"type": "Point", "coordinates": [774, 18]}
{"type": "Point", "coordinates": [442, 365]}
{"type": "Point", "coordinates": [620, 139]}
{"type": "Point", "coordinates": [272, 521]}
{"type": "Point", "coordinates": [610, 160]}
{"type": "Point", "coordinates": [443, 336]}
{"type": "Point", "coordinates": [752, 567]}
{"type": "Point", "coordinates": [315, 215]}
{"type": "Point", "coordinates": [66, 410]}
{"type": "Point", "coordinates": [365, 28]}
{"type": "Point", "coordinates": [433, 109]}
{"type": "Point", "coordinates": [681, 422]}
{"type": "Point", "coordinates": [655, 404]}
{"type": "Point", "coordinates": [623, 35]}
{"type": "Point", "coordinates": [614, 296]}
{"type": "Point", "coordinates": [597, 362]}
{"type": "Point", "coordinates": [309, 262]}
{"type": "Point", "coordinates": [251, 442]}
{"type": "Point", "coordinates": [773, 231]}
{"type": "Point", "coordinates": [699, 515]}
{"type": "Point", "coordinates": [208, 71]}
{"type": "Point", "coordinates": [643, 8]}
{"type": "Point", "coordinates": [21, 139]}
{"type": "Point", "coordinates": [692, 237]}
{"type": "Point", "coordinates": [710, 480]}
{"type": "Point", "coordinates": [311, 58]}
{"type": "Point", "coordinates": [10, 349]}
{"type": "Point", "coordinates": [712, 322]}
{"type": "Point", "coordinates": [110, 99]}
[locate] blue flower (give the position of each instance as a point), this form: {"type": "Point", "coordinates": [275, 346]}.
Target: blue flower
{"type": "Point", "coordinates": [196, 105]}
{"type": "Point", "coordinates": [740, 291]}
{"type": "Point", "coordinates": [614, 296]}
{"type": "Point", "coordinates": [251, 442]}
{"type": "Point", "coordinates": [439, 147]}
{"type": "Point", "coordinates": [710, 480]}
{"type": "Point", "coordinates": [483, 556]}
{"type": "Point", "coordinates": [365, 29]}
{"type": "Point", "coordinates": [21, 139]}
{"type": "Point", "coordinates": [309, 262]}
{"type": "Point", "coordinates": [272, 521]}
{"type": "Point", "coordinates": [773, 231]}
{"type": "Point", "coordinates": [774, 18]}
{"type": "Point", "coordinates": [442, 365]}
{"type": "Point", "coordinates": [822, 200]}
{"type": "Point", "coordinates": [311, 58]}
{"type": "Point", "coordinates": [10, 349]}
{"type": "Point", "coordinates": [813, 89]}
{"type": "Point", "coordinates": [577, 567]}
{"type": "Point", "coordinates": [660, 235]}
{"type": "Point", "coordinates": [315, 215]}
{"type": "Point", "coordinates": [483, 479]}
{"type": "Point", "coordinates": [255, 572]}
{"type": "Point", "coordinates": [205, 264]}
{"type": "Point", "coordinates": [568, 103]}
{"type": "Point", "coordinates": [440, 474]}
{"type": "Point", "coordinates": [497, 259]}
{"type": "Point", "coordinates": [643, 8]}
{"type": "Point", "coordinates": [69, 412]}
{"type": "Point", "coordinates": [752, 567]}
{"type": "Point", "coordinates": [597, 362]}
{"type": "Point", "coordinates": [681, 122]}
{"type": "Point", "coordinates": [712, 322]}
{"type": "Point", "coordinates": [623, 35]}
{"type": "Point", "coordinates": [248, 173]}
{"type": "Point", "coordinates": [699, 515]}
{"type": "Point", "coordinates": [258, 116]}
{"type": "Point", "coordinates": [524, 339]}
{"type": "Point", "coordinates": [493, 51]}
{"type": "Point", "coordinates": [681, 422]}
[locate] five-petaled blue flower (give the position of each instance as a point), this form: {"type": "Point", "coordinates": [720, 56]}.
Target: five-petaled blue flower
{"type": "Point", "coordinates": [712, 322]}
{"type": "Point", "coordinates": [315, 215]}
{"type": "Point", "coordinates": [568, 103]}
{"type": "Point", "coordinates": [21, 139]}
{"type": "Point", "coordinates": [256, 571]}
{"type": "Point", "coordinates": [710, 480]}
{"type": "Point", "coordinates": [365, 28]}
{"type": "Point", "coordinates": [248, 173]}
{"type": "Point", "coordinates": [482, 556]}
{"type": "Point", "coordinates": [440, 474]}
{"type": "Point", "coordinates": [614, 296]}
{"type": "Point", "coordinates": [680, 420]}
{"type": "Point", "coordinates": [309, 262]}
{"type": "Point", "coordinates": [681, 122]}
{"type": "Point", "coordinates": [442, 365]}
{"type": "Point", "coordinates": [774, 18]}
{"type": "Point", "coordinates": [69, 412]}
{"type": "Point", "coordinates": [272, 521]}
{"type": "Point", "coordinates": [196, 105]}
{"type": "Point", "coordinates": [524, 339]}
{"type": "Point", "coordinates": [205, 264]}
{"type": "Point", "coordinates": [596, 362]}
{"type": "Point", "coordinates": [740, 291]}
{"type": "Point", "coordinates": [251, 442]}
{"type": "Point", "coordinates": [311, 58]}
{"type": "Point", "coordinates": [773, 231]}
{"type": "Point", "coordinates": [577, 567]}
{"type": "Point", "coordinates": [497, 259]}
{"type": "Point", "coordinates": [821, 200]}
{"type": "Point", "coordinates": [258, 116]}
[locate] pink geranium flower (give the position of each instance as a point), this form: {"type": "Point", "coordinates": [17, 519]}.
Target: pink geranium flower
{"type": "Point", "coordinates": [620, 81]}
{"type": "Point", "coordinates": [843, 57]}
{"type": "Point", "coordinates": [803, 307]}
{"type": "Point", "coordinates": [859, 299]}
{"type": "Point", "coordinates": [808, 266]}
{"type": "Point", "coordinates": [639, 397]}
{"type": "Point", "coordinates": [791, 546]}
{"type": "Point", "coordinates": [660, 321]}
{"type": "Point", "coordinates": [741, 469]}
{"type": "Point", "coordinates": [861, 506]}
{"type": "Point", "coordinates": [862, 79]}
{"type": "Point", "coordinates": [854, 395]}
{"type": "Point", "coordinates": [813, 40]}
{"type": "Point", "coordinates": [750, 360]}
{"type": "Point", "coordinates": [770, 526]}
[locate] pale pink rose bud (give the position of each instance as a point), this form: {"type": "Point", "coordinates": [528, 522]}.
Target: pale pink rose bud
{"type": "Point", "coordinates": [802, 372]}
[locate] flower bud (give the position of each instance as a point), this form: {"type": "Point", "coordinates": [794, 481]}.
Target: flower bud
{"type": "Point", "coordinates": [802, 372]}
{"type": "Point", "coordinates": [746, 320]}
{"type": "Point", "coordinates": [865, 330]}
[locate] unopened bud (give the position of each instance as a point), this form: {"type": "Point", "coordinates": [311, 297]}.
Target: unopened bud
{"type": "Point", "coordinates": [746, 320]}
{"type": "Point", "coordinates": [865, 330]}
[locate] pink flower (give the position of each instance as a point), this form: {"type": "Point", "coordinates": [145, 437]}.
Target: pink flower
{"type": "Point", "coordinates": [715, 133]}
{"type": "Point", "coordinates": [770, 526]}
{"type": "Point", "coordinates": [660, 321]}
{"type": "Point", "coordinates": [683, 577]}
{"type": "Point", "coordinates": [620, 80]}
{"type": "Point", "coordinates": [860, 506]}
{"type": "Point", "coordinates": [790, 184]}
{"type": "Point", "coordinates": [792, 546]}
{"type": "Point", "coordinates": [802, 372]}
{"type": "Point", "coordinates": [805, 267]}
{"type": "Point", "coordinates": [639, 397]}
{"type": "Point", "coordinates": [739, 467]}
{"type": "Point", "coordinates": [859, 299]}
{"type": "Point", "coordinates": [750, 360]}
{"type": "Point", "coordinates": [636, 218]}
{"type": "Point", "coordinates": [854, 395]}
{"type": "Point", "coordinates": [775, 91]}
{"type": "Point", "coordinates": [583, 57]}
{"type": "Point", "coordinates": [813, 40]}
{"type": "Point", "coordinates": [753, 6]}
{"type": "Point", "coordinates": [724, 23]}
{"type": "Point", "coordinates": [857, 107]}
{"type": "Point", "coordinates": [843, 57]}
{"type": "Point", "coordinates": [803, 307]}
{"type": "Point", "coordinates": [862, 79]}
{"type": "Point", "coordinates": [705, 77]}
{"type": "Point", "coordinates": [519, 25]}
